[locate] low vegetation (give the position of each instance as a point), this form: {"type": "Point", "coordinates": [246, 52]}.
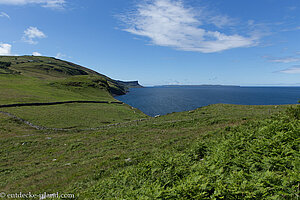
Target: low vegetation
{"type": "Point", "coordinates": [215, 152]}
{"type": "Point", "coordinates": [257, 160]}
{"type": "Point", "coordinates": [43, 79]}
{"type": "Point", "coordinates": [77, 115]}
{"type": "Point", "coordinates": [197, 157]}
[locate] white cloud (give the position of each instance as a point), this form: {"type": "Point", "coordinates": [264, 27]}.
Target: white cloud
{"type": "Point", "coordinates": [291, 70]}
{"type": "Point", "coordinates": [3, 14]}
{"type": "Point", "coordinates": [221, 21]}
{"type": "Point", "coordinates": [60, 56]}
{"type": "Point", "coordinates": [55, 4]}
{"type": "Point", "coordinates": [36, 53]}
{"type": "Point", "coordinates": [292, 8]}
{"type": "Point", "coordinates": [284, 60]}
{"type": "Point", "coordinates": [32, 33]}
{"type": "Point", "coordinates": [169, 23]}
{"type": "Point", "coordinates": [5, 49]}
{"type": "Point", "coordinates": [44, 3]}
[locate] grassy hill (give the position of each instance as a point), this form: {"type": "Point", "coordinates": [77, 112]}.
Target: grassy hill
{"type": "Point", "coordinates": [31, 79]}
{"type": "Point", "coordinates": [107, 152]}
{"type": "Point", "coordinates": [24, 76]}
{"type": "Point", "coordinates": [255, 160]}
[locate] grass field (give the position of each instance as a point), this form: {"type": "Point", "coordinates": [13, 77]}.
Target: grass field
{"type": "Point", "coordinates": [43, 79]}
{"type": "Point", "coordinates": [76, 115]}
{"type": "Point", "coordinates": [29, 79]}
{"type": "Point", "coordinates": [50, 161]}
{"type": "Point", "coordinates": [21, 89]}
{"type": "Point", "coordinates": [215, 152]}
{"type": "Point", "coordinates": [255, 160]}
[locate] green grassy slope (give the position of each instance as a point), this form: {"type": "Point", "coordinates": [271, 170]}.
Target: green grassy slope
{"type": "Point", "coordinates": [101, 164]}
{"type": "Point", "coordinates": [215, 152]}
{"type": "Point", "coordinates": [47, 68]}
{"type": "Point", "coordinates": [257, 160]}
{"type": "Point", "coordinates": [76, 116]}
{"type": "Point", "coordinates": [22, 89]}
{"type": "Point", "coordinates": [30, 79]}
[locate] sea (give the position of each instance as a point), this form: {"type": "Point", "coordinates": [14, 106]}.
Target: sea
{"type": "Point", "coordinates": [167, 99]}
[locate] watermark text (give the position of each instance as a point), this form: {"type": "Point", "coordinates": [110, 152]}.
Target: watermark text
{"type": "Point", "coordinates": [29, 195]}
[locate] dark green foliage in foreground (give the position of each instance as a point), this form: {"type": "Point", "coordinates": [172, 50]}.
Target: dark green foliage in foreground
{"type": "Point", "coordinates": [258, 160]}
{"type": "Point", "coordinates": [293, 113]}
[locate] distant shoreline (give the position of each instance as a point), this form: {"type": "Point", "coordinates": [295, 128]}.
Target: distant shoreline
{"type": "Point", "coordinates": [182, 86]}
{"type": "Point", "coordinates": [196, 86]}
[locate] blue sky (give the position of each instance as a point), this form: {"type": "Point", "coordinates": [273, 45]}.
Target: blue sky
{"type": "Point", "coordinates": [159, 42]}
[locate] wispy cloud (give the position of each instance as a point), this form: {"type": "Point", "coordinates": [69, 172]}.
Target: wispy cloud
{"type": "Point", "coordinates": [31, 34]}
{"type": "Point", "coordinates": [5, 49]}
{"type": "Point", "coordinates": [36, 53]}
{"type": "Point", "coordinates": [221, 21]}
{"type": "Point", "coordinates": [292, 8]}
{"type": "Point", "coordinates": [284, 60]}
{"type": "Point", "coordinates": [291, 70]}
{"type": "Point", "coordinates": [295, 28]}
{"type": "Point", "coordinates": [3, 14]}
{"type": "Point", "coordinates": [170, 23]}
{"type": "Point", "coordinates": [60, 56]}
{"type": "Point", "coordinates": [56, 4]}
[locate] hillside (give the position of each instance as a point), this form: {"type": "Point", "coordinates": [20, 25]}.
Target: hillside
{"type": "Point", "coordinates": [87, 143]}
{"type": "Point", "coordinates": [52, 69]}
{"type": "Point", "coordinates": [216, 151]}
{"type": "Point", "coordinates": [255, 160]}
{"type": "Point", "coordinates": [31, 79]}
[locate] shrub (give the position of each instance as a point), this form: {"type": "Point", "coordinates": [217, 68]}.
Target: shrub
{"type": "Point", "coordinates": [294, 112]}
{"type": "Point", "coordinates": [258, 160]}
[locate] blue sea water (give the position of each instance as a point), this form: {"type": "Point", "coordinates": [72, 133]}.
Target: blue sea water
{"type": "Point", "coordinates": [162, 100]}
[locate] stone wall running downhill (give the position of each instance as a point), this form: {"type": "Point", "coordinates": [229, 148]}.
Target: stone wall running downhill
{"type": "Point", "coordinates": [56, 103]}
